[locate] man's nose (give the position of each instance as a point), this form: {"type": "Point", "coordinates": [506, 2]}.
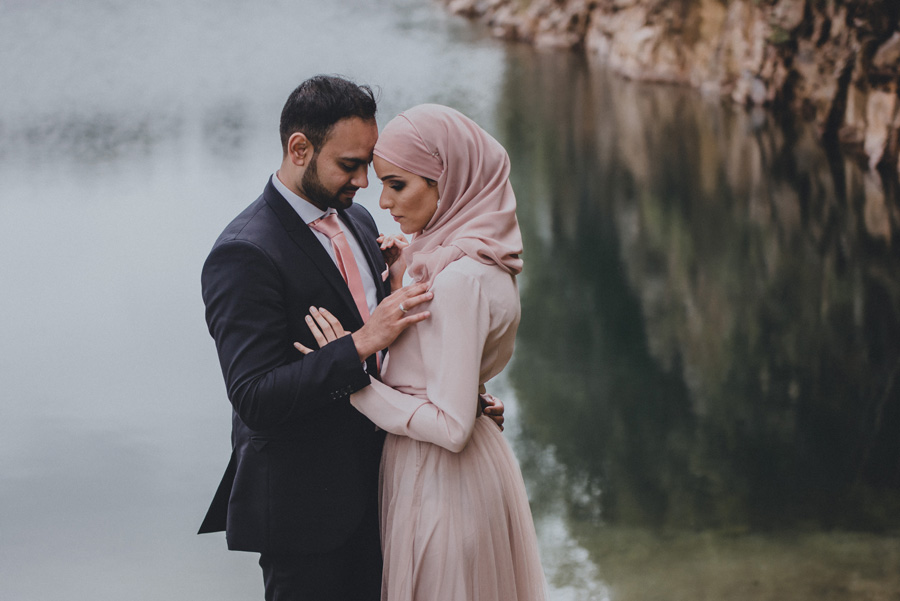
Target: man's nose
{"type": "Point", "coordinates": [361, 177]}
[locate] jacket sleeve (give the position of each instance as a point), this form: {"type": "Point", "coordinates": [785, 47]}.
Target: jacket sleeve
{"type": "Point", "coordinates": [451, 341]}
{"type": "Point", "coordinates": [245, 312]}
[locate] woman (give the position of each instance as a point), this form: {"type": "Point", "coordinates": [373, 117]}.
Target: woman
{"type": "Point", "coordinates": [455, 519]}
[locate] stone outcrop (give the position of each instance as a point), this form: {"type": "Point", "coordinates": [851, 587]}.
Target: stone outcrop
{"type": "Point", "coordinates": [835, 62]}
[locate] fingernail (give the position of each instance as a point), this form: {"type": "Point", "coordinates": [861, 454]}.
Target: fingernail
{"type": "Point", "coordinates": [313, 309]}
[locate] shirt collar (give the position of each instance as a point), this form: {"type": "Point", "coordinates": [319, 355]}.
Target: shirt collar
{"type": "Point", "coordinates": [308, 211]}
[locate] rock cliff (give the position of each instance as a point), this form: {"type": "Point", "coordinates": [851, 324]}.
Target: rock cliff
{"type": "Point", "coordinates": [835, 62]}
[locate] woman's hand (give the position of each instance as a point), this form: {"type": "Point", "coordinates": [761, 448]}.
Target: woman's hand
{"type": "Point", "coordinates": [392, 251]}
{"type": "Point", "coordinates": [392, 246]}
{"type": "Point", "coordinates": [324, 326]}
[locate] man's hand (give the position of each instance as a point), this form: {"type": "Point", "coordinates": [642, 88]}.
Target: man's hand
{"type": "Point", "coordinates": [390, 318]}
{"type": "Point", "coordinates": [492, 407]}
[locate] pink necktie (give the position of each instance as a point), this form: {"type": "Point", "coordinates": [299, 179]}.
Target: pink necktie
{"type": "Point", "coordinates": [331, 227]}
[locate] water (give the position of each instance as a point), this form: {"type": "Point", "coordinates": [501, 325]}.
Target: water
{"type": "Point", "coordinates": [709, 344]}
{"type": "Point", "coordinates": [703, 392]}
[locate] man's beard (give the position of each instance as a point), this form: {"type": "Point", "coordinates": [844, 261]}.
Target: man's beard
{"type": "Point", "coordinates": [317, 193]}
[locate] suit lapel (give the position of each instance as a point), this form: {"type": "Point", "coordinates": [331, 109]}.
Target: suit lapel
{"type": "Point", "coordinates": [310, 245]}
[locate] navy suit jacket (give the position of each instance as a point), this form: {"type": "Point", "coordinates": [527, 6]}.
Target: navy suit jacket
{"type": "Point", "coordinates": [304, 466]}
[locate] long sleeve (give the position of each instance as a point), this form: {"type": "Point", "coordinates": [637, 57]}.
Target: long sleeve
{"type": "Point", "coordinates": [451, 344]}
{"type": "Point", "coordinates": [245, 311]}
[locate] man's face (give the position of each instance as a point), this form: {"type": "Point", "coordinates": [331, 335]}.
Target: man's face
{"type": "Point", "coordinates": [341, 166]}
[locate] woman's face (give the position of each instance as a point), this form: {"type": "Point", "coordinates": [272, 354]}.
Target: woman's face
{"type": "Point", "coordinates": [411, 199]}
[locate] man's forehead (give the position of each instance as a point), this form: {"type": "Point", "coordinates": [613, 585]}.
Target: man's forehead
{"type": "Point", "coordinates": [352, 137]}
{"type": "Point", "coordinates": [353, 129]}
{"type": "Point", "coordinates": [354, 126]}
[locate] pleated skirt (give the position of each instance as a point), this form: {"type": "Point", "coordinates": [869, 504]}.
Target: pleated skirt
{"type": "Point", "coordinates": [457, 526]}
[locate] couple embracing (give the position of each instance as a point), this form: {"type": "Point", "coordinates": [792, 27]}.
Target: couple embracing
{"type": "Point", "coordinates": [359, 473]}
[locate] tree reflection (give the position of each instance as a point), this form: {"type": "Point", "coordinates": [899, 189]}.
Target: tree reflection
{"type": "Point", "coordinates": [711, 308]}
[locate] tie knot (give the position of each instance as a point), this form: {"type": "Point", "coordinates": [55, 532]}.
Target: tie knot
{"type": "Point", "coordinates": [328, 225]}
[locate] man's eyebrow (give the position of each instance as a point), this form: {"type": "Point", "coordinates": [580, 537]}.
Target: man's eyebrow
{"type": "Point", "coordinates": [355, 160]}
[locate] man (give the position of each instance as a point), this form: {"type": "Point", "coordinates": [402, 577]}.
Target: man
{"type": "Point", "coordinates": [301, 486]}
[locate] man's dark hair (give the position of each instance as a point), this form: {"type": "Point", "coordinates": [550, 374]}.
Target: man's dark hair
{"type": "Point", "coordinates": [321, 101]}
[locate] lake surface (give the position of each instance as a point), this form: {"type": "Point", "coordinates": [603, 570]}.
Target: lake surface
{"type": "Point", "coordinates": [704, 395]}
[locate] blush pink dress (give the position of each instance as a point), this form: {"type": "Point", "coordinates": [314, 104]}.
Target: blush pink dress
{"type": "Point", "coordinates": [455, 519]}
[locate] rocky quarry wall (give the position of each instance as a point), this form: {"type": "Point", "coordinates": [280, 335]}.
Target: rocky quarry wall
{"type": "Point", "coordinates": [835, 62]}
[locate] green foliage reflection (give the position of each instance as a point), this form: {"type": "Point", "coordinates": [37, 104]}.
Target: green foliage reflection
{"type": "Point", "coordinates": [711, 315]}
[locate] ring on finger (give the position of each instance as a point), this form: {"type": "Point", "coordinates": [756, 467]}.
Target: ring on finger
{"type": "Point", "coordinates": [402, 308]}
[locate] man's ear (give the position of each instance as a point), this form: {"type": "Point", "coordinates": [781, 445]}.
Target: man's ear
{"type": "Point", "coordinates": [300, 149]}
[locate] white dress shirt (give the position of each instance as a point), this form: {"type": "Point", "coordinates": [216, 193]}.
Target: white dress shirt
{"type": "Point", "coordinates": [308, 213]}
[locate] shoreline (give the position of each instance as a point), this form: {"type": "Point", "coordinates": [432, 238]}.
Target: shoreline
{"type": "Point", "coordinates": [834, 63]}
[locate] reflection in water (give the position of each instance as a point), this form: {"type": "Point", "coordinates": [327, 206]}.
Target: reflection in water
{"type": "Point", "coordinates": [711, 327]}
{"type": "Point", "coordinates": [88, 139]}
{"type": "Point", "coordinates": [710, 333]}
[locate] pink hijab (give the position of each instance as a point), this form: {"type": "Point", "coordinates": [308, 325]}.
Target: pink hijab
{"type": "Point", "coordinates": [476, 214]}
